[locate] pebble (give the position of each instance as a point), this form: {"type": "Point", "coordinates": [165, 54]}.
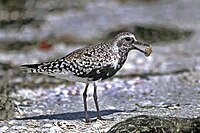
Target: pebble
{"type": "Point", "coordinates": [111, 107]}
{"type": "Point", "coordinates": [96, 125]}
{"type": "Point", "coordinates": [171, 106]}
{"type": "Point", "coordinates": [105, 130]}
{"type": "Point", "coordinates": [65, 125]}
{"type": "Point", "coordinates": [4, 129]}
{"type": "Point", "coordinates": [39, 111]}
{"type": "Point", "coordinates": [31, 124]}
{"type": "Point", "coordinates": [11, 122]}
{"type": "Point", "coordinates": [55, 129]}
{"type": "Point", "coordinates": [72, 92]}
{"type": "Point", "coordinates": [66, 93]}
{"type": "Point", "coordinates": [20, 127]}
{"type": "Point", "coordinates": [41, 106]}
{"type": "Point", "coordinates": [47, 125]}
{"type": "Point", "coordinates": [145, 103]}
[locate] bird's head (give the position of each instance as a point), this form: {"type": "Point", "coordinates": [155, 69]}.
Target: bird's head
{"type": "Point", "coordinates": [126, 41]}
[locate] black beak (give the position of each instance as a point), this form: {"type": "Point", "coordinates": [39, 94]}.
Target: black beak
{"type": "Point", "coordinates": [141, 44]}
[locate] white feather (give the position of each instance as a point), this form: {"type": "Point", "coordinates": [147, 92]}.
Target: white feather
{"type": "Point", "coordinates": [69, 76]}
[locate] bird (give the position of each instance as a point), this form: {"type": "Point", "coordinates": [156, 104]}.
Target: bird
{"type": "Point", "coordinates": [92, 64]}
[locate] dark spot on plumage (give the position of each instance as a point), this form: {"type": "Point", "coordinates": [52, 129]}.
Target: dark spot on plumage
{"type": "Point", "coordinates": [35, 66]}
{"type": "Point", "coordinates": [59, 65]}
{"type": "Point", "coordinates": [65, 66]}
{"type": "Point", "coordinates": [101, 73]}
{"type": "Point", "coordinates": [119, 43]}
{"type": "Point", "coordinates": [60, 69]}
{"type": "Point", "coordinates": [87, 54]}
{"type": "Point", "coordinates": [54, 63]}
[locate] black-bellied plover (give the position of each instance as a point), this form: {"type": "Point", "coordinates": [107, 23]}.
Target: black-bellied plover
{"type": "Point", "coordinates": [91, 64]}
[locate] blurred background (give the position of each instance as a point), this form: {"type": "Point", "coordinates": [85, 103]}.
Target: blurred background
{"type": "Point", "coordinates": [32, 31]}
{"type": "Point", "coordinates": [44, 25]}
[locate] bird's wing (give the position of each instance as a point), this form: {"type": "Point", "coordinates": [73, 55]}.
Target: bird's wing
{"type": "Point", "coordinates": [94, 62]}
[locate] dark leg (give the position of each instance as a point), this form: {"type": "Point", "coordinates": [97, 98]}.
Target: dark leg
{"type": "Point", "coordinates": [85, 103]}
{"type": "Point", "coordinates": [96, 102]}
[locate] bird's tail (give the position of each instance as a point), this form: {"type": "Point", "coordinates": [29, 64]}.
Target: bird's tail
{"type": "Point", "coordinates": [30, 68]}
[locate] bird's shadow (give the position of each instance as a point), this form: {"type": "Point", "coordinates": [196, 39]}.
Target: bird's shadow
{"type": "Point", "coordinates": [70, 115]}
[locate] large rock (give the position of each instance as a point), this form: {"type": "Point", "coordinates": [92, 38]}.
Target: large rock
{"type": "Point", "coordinates": [154, 124]}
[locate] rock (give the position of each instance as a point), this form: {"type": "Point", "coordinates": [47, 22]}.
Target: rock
{"type": "Point", "coordinates": [7, 108]}
{"type": "Point", "coordinates": [144, 123]}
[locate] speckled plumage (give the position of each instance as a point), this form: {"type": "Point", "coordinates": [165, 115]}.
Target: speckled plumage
{"type": "Point", "coordinates": [89, 64]}
{"type": "Point", "coordinates": [92, 63]}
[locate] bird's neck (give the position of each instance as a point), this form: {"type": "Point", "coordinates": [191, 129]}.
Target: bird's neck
{"type": "Point", "coordinates": [121, 54]}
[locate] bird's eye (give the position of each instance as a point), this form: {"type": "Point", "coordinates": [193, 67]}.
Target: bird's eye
{"type": "Point", "coordinates": [128, 39]}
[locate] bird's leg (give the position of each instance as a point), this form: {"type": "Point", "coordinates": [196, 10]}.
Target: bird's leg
{"type": "Point", "coordinates": [85, 103]}
{"type": "Point", "coordinates": [96, 102]}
